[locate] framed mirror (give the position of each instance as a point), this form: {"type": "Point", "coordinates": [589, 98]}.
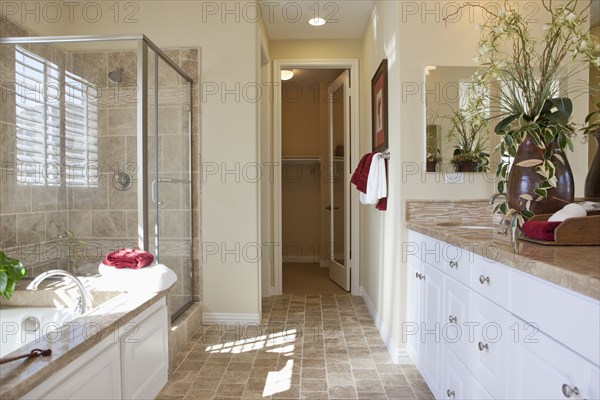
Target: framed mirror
{"type": "Point", "coordinates": [450, 122]}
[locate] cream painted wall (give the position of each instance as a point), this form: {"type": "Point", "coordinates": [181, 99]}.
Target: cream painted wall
{"type": "Point", "coordinates": [381, 272]}
{"type": "Point", "coordinates": [228, 118]}
{"type": "Point", "coordinates": [595, 97]}
{"type": "Point", "coordinates": [315, 49]}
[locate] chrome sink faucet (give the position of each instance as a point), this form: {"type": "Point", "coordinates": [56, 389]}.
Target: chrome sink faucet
{"type": "Point", "coordinates": [85, 299]}
{"type": "Point", "coordinates": [495, 196]}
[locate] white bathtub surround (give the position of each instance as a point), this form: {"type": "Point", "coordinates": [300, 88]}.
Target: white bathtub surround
{"type": "Point", "coordinates": [152, 279]}
{"type": "Point", "coordinates": [106, 325]}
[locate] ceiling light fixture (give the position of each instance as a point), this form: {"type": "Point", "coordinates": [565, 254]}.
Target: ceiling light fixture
{"type": "Point", "coordinates": [286, 74]}
{"type": "Point", "coordinates": [317, 21]}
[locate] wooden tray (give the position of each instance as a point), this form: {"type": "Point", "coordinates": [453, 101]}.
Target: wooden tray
{"type": "Point", "coordinates": [582, 231]}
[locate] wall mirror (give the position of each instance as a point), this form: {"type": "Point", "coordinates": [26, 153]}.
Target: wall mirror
{"type": "Point", "coordinates": [446, 94]}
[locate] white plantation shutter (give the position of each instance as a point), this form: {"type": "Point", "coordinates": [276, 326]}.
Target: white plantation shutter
{"type": "Point", "coordinates": [38, 119]}
{"type": "Point", "coordinates": [40, 104]}
{"type": "Point", "coordinates": [81, 131]}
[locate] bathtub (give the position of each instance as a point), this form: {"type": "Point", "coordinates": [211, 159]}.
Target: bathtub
{"type": "Point", "coordinates": [22, 325]}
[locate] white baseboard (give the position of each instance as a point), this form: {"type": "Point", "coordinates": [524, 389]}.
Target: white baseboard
{"type": "Point", "coordinates": [398, 355]}
{"type": "Point", "coordinates": [230, 318]}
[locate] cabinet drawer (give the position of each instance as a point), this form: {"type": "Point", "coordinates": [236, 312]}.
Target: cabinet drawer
{"type": "Point", "coordinates": [455, 332]}
{"type": "Point", "coordinates": [491, 280]}
{"type": "Point", "coordinates": [569, 317]}
{"type": "Point", "coordinates": [434, 252]}
{"type": "Point", "coordinates": [545, 369]}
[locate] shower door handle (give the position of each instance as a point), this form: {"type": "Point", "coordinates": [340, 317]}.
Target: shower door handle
{"type": "Point", "coordinates": [155, 193]}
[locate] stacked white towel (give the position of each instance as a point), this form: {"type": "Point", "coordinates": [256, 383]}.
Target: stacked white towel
{"type": "Point", "coordinates": [569, 211]}
{"type": "Point", "coordinates": [376, 182]}
{"type": "Point", "coordinates": [151, 279]}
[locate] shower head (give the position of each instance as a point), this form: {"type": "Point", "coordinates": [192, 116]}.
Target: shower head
{"type": "Point", "coordinates": [117, 75]}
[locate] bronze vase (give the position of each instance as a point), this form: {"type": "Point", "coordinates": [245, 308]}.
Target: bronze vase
{"type": "Point", "coordinates": [524, 180]}
{"type": "Point", "coordinates": [592, 181]}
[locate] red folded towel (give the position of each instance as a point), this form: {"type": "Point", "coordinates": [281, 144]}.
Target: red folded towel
{"type": "Point", "coordinates": [361, 174]}
{"type": "Point", "coordinates": [541, 230]}
{"type": "Point", "coordinates": [128, 258]}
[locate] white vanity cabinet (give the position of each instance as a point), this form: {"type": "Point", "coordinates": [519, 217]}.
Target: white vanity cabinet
{"type": "Point", "coordinates": [504, 334]}
{"type": "Point", "coordinates": [131, 363]}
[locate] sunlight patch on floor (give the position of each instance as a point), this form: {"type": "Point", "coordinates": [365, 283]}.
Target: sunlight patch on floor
{"type": "Point", "coordinates": [279, 381]}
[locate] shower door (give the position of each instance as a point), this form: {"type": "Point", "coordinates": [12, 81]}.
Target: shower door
{"type": "Point", "coordinates": [169, 148]}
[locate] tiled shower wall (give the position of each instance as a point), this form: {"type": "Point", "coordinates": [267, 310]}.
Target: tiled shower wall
{"type": "Point", "coordinates": [100, 217]}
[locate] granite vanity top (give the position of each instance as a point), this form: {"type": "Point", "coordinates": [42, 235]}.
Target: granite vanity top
{"type": "Point", "coordinates": [573, 267]}
{"type": "Point", "coordinates": [20, 377]}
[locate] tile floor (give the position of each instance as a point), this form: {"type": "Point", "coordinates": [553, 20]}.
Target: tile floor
{"type": "Point", "coordinates": [308, 347]}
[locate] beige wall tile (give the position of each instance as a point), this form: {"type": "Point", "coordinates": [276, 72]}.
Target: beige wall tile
{"type": "Point", "coordinates": [107, 224]}
{"type": "Point", "coordinates": [31, 228]}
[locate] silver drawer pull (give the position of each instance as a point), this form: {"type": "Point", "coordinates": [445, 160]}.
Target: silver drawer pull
{"type": "Point", "coordinates": [484, 279]}
{"type": "Point", "coordinates": [450, 393]}
{"type": "Point", "coordinates": [569, 391]}
{"type": "Point", "coordinates": [417, 275]}
{"type": "Point", "coordinates": [454, 264]}
{"type": "Point", "coordinates": [482, 346]}
{"type": "Point", "coordinates": [452, 319]}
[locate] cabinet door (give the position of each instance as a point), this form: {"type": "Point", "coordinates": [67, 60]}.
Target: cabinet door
{"type": "Point", "coordinates": [97, 377]}
{"type": "Point", "coordinates": [488, 352]}
{"type": "Point", "coordinates": [145, 357]}
{"type": "Point", "coordinates": [431, 331]}
{"type": "Point", "coordinates": [414, 314]}
{"type": "Point", "coordinates": [456, 327]}
{"type": "Point", "coordinates": [545, 369]}
{"type": "Point", "coordinates": [455, 381]}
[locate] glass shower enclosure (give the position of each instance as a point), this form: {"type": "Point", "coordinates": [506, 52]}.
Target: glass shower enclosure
{"type": "Point", "coordinates": [95, 154]}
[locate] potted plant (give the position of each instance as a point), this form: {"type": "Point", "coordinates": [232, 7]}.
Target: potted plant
{"type": "Point", "coordinates": [469, 133]}
{"type": "Point", "coordinates": [535, 127]}
{"type": "Point", "coordinates": [11, 272]}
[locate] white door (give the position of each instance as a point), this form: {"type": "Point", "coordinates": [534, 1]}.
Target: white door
{"type": "Point", "coordinates": [339, 207]}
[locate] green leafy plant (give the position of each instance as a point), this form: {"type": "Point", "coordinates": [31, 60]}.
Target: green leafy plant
{"type": "Point", "coordinates": [528, 72]}
{"type": "Point", "coordinates": [11, 272]}
{"type": "Point", "coordinates": [469, 133]}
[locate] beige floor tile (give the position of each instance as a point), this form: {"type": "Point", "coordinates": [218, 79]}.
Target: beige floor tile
{"type": "Point", "coordinates": [330, 349]}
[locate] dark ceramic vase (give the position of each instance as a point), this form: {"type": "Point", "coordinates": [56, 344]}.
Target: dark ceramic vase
{"type": "Point", "coordinates": [524, 180]}
{"type": "Point", "coordinates": [592, 181]}
{"type": "Point", "coordinates": [466, 166]}
{"type": "Point", "coordinates": [431, 166]}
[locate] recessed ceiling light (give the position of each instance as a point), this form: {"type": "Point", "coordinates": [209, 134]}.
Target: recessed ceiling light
{"type": "Point", "coordinates": [317, 21]}
{"type": "Point", "coordinates": [286, 74]}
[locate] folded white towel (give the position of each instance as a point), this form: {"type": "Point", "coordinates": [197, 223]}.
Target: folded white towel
{"type": "Point", "coordinates": [151, 279]}
{"type": "Point", "coordinates": [569, 211]}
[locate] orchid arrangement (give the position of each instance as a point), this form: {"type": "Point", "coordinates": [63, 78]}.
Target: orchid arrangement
{"type": "Point", "coordinates": [470, 133]}
{"type": "Point", "coordinates": [527, 73]}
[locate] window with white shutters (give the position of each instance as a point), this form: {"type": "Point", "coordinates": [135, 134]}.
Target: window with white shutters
{"type": "Point", "coordinates": [38, 119]}
{"type": "Point", "coordinates": [57, 124]}
{"type": "Point", "coordinates": [81, 131]}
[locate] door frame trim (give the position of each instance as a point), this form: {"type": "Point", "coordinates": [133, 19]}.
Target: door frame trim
{"type": "Point", "coordinates": [352, 65]}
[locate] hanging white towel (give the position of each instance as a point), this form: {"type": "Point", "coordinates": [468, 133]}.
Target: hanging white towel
{"type": "Point", "coordinates": [376, 182]}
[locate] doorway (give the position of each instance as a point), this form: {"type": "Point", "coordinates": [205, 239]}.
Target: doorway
{"type": "Point", "coordinates": [315, 138]}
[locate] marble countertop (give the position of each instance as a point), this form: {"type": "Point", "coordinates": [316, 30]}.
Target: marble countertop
{"type": "Point", "coordinates": [576, 268]}
{"type": "Point", "coordinates": [19, 377]}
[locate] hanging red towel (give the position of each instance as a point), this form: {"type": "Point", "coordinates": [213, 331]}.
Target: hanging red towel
{"type": "Point", "coordinates": [541, 230]}
{"type": "Point", "coordinates": [128, 258]}
{"type": "Point", "coordinates": [361, 174]}
{"type": "Point", "coordinates": [382, 203]}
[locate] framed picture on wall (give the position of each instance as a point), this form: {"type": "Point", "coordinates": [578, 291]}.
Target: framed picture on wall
{"type": "Point", "coordinates": [379, 107]}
